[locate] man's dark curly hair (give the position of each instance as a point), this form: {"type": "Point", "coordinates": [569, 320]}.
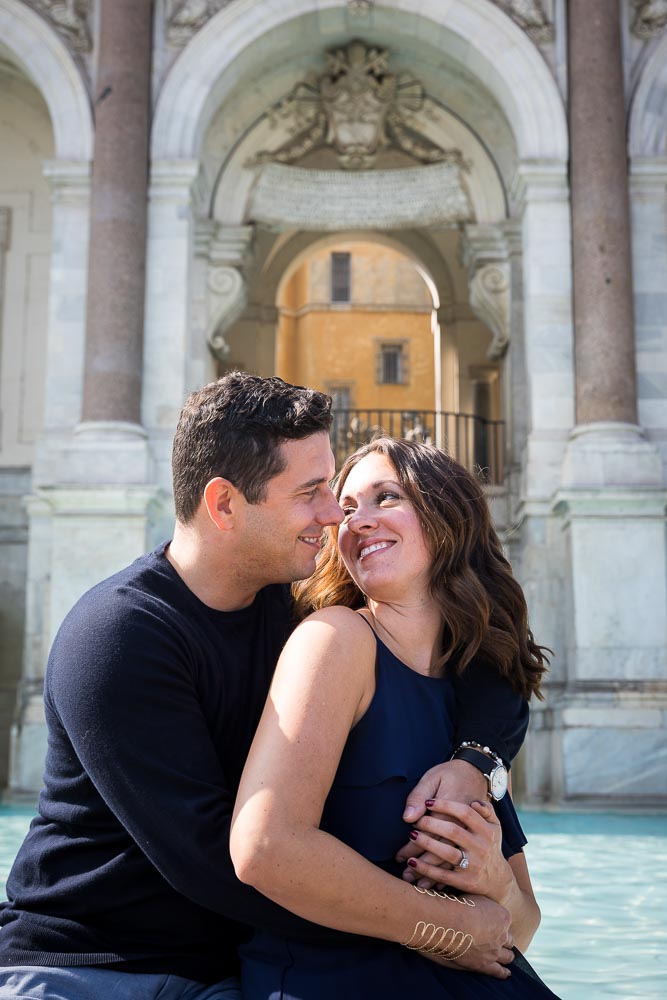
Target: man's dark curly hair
{"type": "Point", "coordinates": [234, 428]}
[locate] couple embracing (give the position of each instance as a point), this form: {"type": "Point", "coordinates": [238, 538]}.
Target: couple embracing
{"type": "Point", "coordinates": [186, 819]}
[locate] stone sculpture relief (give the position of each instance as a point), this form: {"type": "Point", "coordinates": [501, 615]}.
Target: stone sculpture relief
{"type": "Point", "coordinates": [650, 18]}
{"type": "Point", "coordinates": [529, 15]}
{"type": "Point", "coordinates": [359, 8]}
{"type": "Point", "coordinates": [186, 17]}
{"type": "Point", "coordinates": [358, 108]}
{"type": "Point", "coordinates": [69, 18]}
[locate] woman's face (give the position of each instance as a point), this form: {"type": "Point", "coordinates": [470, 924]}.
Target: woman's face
{"type": "Point", "coordinates": [381, 540]}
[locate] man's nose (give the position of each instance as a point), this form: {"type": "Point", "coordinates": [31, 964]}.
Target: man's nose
{"type": "Point", "coordinates": [330, 512]}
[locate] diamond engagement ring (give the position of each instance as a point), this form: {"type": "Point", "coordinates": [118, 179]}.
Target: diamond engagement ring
{"type": "Point", "coordinates": [465, 860]}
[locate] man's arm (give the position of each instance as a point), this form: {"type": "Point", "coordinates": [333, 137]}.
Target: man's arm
{"type": "Point", "coordinates": [488, 712]}
{"type": "Point", "coordinates": [125, 694]}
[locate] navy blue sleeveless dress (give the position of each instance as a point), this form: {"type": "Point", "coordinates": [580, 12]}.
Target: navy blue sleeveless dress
{"type": "Point", "coordinates": [406, 730]}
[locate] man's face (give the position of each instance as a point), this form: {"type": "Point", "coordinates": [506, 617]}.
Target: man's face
{"type": "Point", "coordinates": [284, 531]}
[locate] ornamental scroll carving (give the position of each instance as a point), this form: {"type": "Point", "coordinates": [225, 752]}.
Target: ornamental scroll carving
{"type": "Point", "coordinates": [186, 17]}
{"type": "Point", "coordinates": [357, 108]}
{"type": "Point", "coordinates": [226, 285]}
{"type": "Point", "coordinates": [69, 18]}
{"type": "Point", "coordinates": [485, 255]}
{"type": "Point", "coordinates": [529, 15]}
{"type": "Point", "coordinates": [490, 299]}
{"type": "Point", "coordinates": [650, 18]}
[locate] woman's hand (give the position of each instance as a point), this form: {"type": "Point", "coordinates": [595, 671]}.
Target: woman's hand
{"type": "Point", "coordinates": [490, 934]}
{"type": "Point", "coordinates": [452, 831]}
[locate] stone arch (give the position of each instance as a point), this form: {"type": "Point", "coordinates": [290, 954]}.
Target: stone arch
{"type": "Point", "coordinates": [291, 252]}
{"type": "Point", "coordinates": [498, 52]}
{"type": "Point", "coordinates": [647, 127]}
{"type": "Point", "coordinates": [46, 60]}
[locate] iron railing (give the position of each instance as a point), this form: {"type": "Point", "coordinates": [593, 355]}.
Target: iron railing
{"type": "Point", "coordinates": [476, 443]}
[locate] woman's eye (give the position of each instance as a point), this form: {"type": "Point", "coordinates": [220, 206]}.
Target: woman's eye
{"type": "Point", "coordinates": [348, 510]}
{"type": "Point", "coordinates": [388, 495]}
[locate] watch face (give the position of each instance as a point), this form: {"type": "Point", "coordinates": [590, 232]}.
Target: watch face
{"type": "Point", "coordinates": [498, 782]}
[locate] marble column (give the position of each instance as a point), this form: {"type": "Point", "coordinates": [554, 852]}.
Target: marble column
{"type": "Point", "coordinates": [117, 255]}
{"type": "Point", "coordinates": [91, 507]}
{"type": "Point", "coordinates": [603, 313]}
{"type": "Point", "coordinates": [611, 501]}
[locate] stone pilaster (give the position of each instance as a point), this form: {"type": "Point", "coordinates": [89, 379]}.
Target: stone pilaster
{"type": "Point", "coordinates": [540, 201]}
{"type": "Point", "coordinates": [169, 329]}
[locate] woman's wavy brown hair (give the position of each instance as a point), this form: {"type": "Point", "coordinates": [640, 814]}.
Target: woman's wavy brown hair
{"type": "Point", "coordinates": [482, 605]}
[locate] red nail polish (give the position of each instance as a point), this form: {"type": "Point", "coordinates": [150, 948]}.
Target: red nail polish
{"type": "Point", "coordinates": [412, 862]}
{"type": "Point", "coordinates": [429, 803]}
{"type": "Point", "coordinates": [413, 835]}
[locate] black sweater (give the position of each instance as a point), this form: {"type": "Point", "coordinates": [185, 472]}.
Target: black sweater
{"type": "Point", "coordinates": [151, 701]}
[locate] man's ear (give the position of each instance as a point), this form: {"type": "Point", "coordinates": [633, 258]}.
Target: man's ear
{"type": "Point", "coordinates": [221, 499]}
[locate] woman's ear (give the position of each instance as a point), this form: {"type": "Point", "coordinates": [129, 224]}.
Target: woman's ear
{"type": "Point", "coordinates": [221, 499]}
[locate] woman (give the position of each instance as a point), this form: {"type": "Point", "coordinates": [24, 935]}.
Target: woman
{"type": "Point", "coordinates": [412, 587]}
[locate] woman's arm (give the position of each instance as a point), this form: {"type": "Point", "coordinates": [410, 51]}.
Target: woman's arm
{"type": "Point", "coordinates": [323, 684]}
{"type": "Point", "coordinates": [475, 829]}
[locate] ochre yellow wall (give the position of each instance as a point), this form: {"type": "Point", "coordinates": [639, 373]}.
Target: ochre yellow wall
{"type": "Point", "coordinates": [327, 345]}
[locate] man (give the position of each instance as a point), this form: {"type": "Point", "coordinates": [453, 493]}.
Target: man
{"type": "Point", "coordinates": [124, 885]}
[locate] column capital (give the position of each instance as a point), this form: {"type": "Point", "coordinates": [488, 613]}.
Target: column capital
{"type": "Point", "coordinates": [173, 180]}
{"type": "Point", "coordinates": [648, 176]}
{"type": "Point", "coordinates": [513, 234]}
{"type": "Point", "coordinates": [69, 180]}
{"type": "Point", "coordinates": [232, 245]}
{"type": "Point", "coordinates": [538, 180]}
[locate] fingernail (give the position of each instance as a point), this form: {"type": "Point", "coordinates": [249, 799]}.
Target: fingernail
{"type": "Point", "coordinates": [429, 803]}
{"type": "Point", "coordinates": [412, 862]}
{"type": "Point", "coordinates": [409, 813]}
{"type": "Point", "coordinates": [413, 835]}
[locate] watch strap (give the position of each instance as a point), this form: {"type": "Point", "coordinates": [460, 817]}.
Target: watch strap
{"type": "Point", "coordinates": [479, 760]}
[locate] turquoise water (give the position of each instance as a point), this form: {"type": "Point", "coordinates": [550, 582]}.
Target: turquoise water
{"type": "Point", "coordinates": [601, 881]}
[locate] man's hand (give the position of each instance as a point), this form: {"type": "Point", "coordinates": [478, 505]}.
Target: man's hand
{"type": "Point", "coordinates": [475, 830]}
{"type": "Point", "coordinates": [455, 780]}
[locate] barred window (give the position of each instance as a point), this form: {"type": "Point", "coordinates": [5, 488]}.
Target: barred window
{"type": "Point", "coordinates": [340, 277]}
{"type": "Point", "coordinates": [391, 367]}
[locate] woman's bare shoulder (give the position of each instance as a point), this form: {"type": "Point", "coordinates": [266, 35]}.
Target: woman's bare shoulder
{"type": "Point", "coordinates": [337, 626]}
{"type": "Point", "coordinates": [343, 621]}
